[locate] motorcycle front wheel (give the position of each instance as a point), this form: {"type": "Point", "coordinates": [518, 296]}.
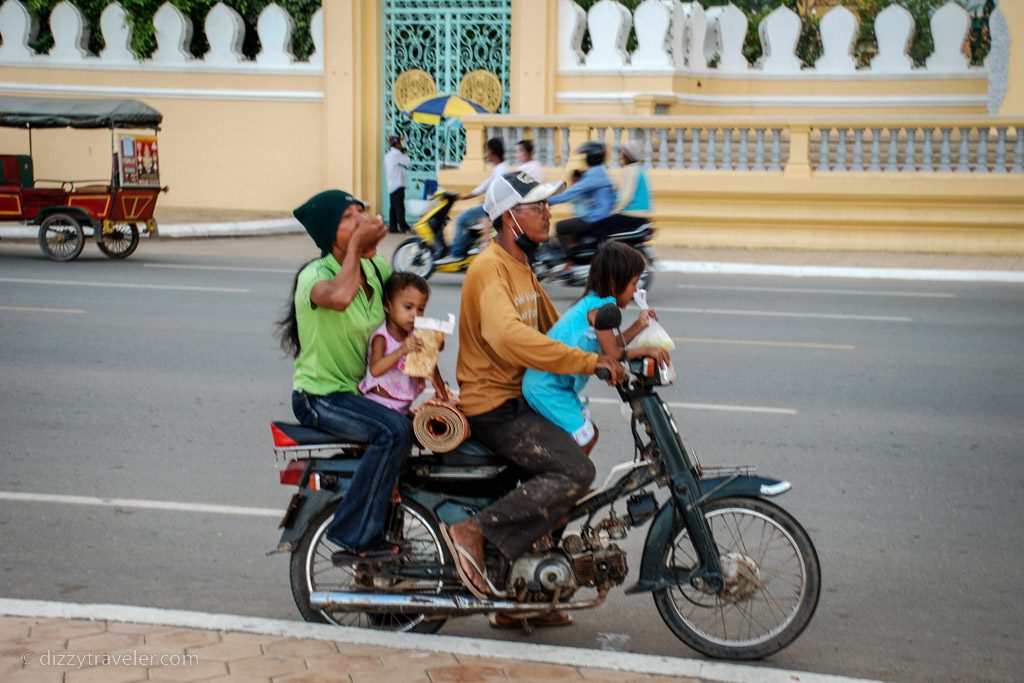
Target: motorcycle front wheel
{"type": "Point", "coordinates": [772, 582]}
{"type": "Point", "coordinates": [415, 256]}
{"type": "Point", "coordinates": [312, 570]}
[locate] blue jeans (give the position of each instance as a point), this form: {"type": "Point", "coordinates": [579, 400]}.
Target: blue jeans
{"type": "Point", "coordinates": [364, 509]}
{"type": "Point", "coordinates": [463, 239]}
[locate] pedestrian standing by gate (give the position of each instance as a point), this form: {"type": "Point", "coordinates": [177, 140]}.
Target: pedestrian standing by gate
{"type": "Point", "coordinates": [396, 168]}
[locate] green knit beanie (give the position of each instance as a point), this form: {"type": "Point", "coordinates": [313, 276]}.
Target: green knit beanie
{"type": "Point", "coordinates": [321, 214]}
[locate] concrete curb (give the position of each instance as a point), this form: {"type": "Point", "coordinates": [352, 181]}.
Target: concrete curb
{"type": "Point", "coordinates": [477, 647]}
{"type": "Point", "coordinates": [270, 226]}
{"type": "Point", "coordinates": [943, 275]}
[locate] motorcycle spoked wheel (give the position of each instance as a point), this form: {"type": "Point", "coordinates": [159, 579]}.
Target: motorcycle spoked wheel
{"type": "Point", "coordinates": [769, 601]}
{"type": "Point", "coordinates": [312, 570]}
{"type": "Point", "coordinates": [415, 256]}
{"type": "Point", "coordinates": [647, 277]}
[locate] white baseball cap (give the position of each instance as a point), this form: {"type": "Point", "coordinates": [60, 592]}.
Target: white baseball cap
{"type": "Point", "coordinates": [513, 189]}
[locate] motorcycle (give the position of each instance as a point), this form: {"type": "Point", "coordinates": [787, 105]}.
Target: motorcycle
{"type": "Point", "coordinates": [420, 254]}
{"type": "Point", "coordinates": [732, 574]}
{"type": "Point", "coordinates": [550, 259]}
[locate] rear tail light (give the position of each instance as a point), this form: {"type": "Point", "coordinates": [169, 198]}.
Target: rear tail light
{"type": "Point", "coordinates": [292, 473]}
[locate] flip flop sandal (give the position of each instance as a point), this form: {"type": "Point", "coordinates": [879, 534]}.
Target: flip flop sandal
{"type": "Point", "coordinates": [458, 554]}
{"type": "Point", "coordinates": [379, 551]}
{"type": "Point", "coordinates": [500, 620]}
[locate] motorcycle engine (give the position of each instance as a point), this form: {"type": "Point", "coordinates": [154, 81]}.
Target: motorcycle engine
{"type": "Point", "coordinates": [542, 574]}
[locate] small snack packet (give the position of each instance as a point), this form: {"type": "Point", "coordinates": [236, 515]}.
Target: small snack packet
{"type": "Point", "coordinates": [431, 332]}
{"type": "Point", "coordinates": [654, 334]}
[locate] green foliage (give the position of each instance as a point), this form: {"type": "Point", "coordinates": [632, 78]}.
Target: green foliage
{"type": "Point", "coordinates": [140, 20]}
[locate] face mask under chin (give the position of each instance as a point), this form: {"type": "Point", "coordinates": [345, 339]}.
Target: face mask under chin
{"type": "Point", "coordinates": [527, 245]}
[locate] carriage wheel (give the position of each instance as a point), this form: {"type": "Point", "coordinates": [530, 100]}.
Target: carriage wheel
{"type": "Point", "coordinates": [121, 242]}
{"type": "Point", "coordinates": [61, 237]}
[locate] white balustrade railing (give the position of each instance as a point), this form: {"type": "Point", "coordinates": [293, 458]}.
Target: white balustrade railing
{"type": "Point", "coordinates": [945, 146]}
{"type": "Point", "coordinates": [676, 36]}
{"type": "Point", "coordinates": [223, 26]}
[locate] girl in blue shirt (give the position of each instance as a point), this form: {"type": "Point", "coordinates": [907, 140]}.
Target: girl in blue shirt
{"type": "Point", "coordinates": [614, 273]}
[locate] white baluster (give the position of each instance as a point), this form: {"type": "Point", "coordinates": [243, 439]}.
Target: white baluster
{"type": "Point", "coordinates": [680, 148]}
{"type": "Point", "coordinates": [565, 147]}
{"type": "Point", "coordinates": [838, 36]}
{"type": "Point", "coordinates": [225, 31]}
{"type": "Point", "coordinates": [910, 151]}
{"type": "Point", "coordinates": [743, 161]}
{"type": "Point", "coordinates": [652, 20]}
{"type": "Point", "coordinates": [727, 149]}
{"type": "Point", "coordinates": [709, 155]}
{"type": "Point", "coordinates": [841, 150]}
{"type": "Point", "coordinates": [981, 165]}
{"type": "Point", "coordinates": [963, 161]}
{"type": "Point", "coordinates": [776, 161]}
{"type": "Point", "coordinates": [275, 27]}
{"type": "Point", "coordinates": [1018, 153]}
{"type": "Point", "coordinates": [759, 150]}
{"type": "Point", "coordinates": [949, 27]}
{"type": "Point", "coordinates": [695, 149]}
{"type": "Point", "coordinates": [316, 32]}
{"type": "Point", "coordinates": [70, 35]}
{"type": "Point", "coordinates": [732, 31]}
{"type": "Point", "coordinates": [609, 23]}
{"type": "Point", "coordinates": [1000, 165]}
{"type": "Point", "coordinates": [572, 23]}
{"type": "Point", "coordinates": [824, 150]}
{"type": "Point", "coordinates": [696, 58]}
{"type": "Point", "coordinates": [17, 28]}
{"type": "Point", "coordinates": [173, 35]}
{"type": "Point", "coordinates": [780, 32]}
{"type": "Point", "coordinates": [116, 35]}
{"type": "Point", "coordinates": [858, 149]}
{"type": "Point", "coordinates": [876, 150]}
{"type": "Point", "coordinates": [926, 151]}
{"type": "Point", "coordinates": [894, 135]}
{"type": "Point", "coordinates": [945, 150]}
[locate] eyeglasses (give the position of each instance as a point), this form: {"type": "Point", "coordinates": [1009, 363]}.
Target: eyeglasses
{"type": "Point", "coordinates": [540, 207]}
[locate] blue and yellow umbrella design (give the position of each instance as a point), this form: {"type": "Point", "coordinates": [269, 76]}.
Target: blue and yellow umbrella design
{"type": "Point", "coordinates": [432, 109]}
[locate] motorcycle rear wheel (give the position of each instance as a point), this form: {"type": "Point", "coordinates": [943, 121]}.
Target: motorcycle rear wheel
{"type": "Point", "coordinates": [312, 570]}
{"type": "Point", "coordinates": [415, 256]}
{"type": "Point", "coordinates": [647, 277]}
{"type": "Point", "coordinates": [764, 536]}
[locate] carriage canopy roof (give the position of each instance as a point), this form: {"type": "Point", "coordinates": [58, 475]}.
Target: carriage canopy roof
{"type": "Point", "coordinates": [46, 112]}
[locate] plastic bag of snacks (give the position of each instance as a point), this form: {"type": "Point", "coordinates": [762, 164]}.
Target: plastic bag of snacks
{"type": "Point", "coordinates": [654, 334]}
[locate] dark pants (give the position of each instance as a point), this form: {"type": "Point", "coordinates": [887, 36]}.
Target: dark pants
{"type": "Point", "coordinates": [396, 216]}
{"type": "Point", "coordinates": [558, 474]}
{"type": "Point", "coordinates": [578, 228]}
{"type": "Point", "coordinates": [364, 509]}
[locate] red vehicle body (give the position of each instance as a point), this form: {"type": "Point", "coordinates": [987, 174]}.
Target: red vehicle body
{"type": "Point", "coordinates": [112, 209]}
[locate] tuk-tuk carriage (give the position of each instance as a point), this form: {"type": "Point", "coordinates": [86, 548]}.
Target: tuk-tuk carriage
{"type": "Point", "coordinates": [111, 209]}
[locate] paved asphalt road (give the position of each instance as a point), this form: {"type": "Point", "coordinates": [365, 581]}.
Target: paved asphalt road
{"type": "Point", "coordinates": [896, 409]}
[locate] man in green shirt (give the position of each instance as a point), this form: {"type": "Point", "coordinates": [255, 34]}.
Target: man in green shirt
{"type": "Point", "coordinates": [336, 305]}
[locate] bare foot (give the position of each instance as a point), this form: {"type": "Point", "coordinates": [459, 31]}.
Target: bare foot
{"type": "Point", "coordinates": [466, 535]}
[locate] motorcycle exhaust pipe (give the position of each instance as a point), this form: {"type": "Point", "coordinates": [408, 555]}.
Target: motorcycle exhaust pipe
{"type": "Point", "coordinates": [419, 603]}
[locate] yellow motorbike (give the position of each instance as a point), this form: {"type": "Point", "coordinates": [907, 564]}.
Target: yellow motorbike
{"type": "Point", "coordinates": [420, 254]}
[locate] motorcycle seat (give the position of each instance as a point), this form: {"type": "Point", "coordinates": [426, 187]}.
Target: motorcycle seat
{"type": "Point", "coordinates": [631, 235]}
{"type": "Point", "coordinates": [471, 453]}
{"type": "Point", "coordinates": [290, 434]}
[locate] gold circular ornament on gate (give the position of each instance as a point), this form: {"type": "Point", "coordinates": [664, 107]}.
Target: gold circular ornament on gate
{"type": "Point", "coordinates": [483, 87]}
{"type": "Point", "coordinates": [412, 85]}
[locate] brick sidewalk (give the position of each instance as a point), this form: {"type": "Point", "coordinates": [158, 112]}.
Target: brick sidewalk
{"type": "Point", "coordinates": [76, 651]}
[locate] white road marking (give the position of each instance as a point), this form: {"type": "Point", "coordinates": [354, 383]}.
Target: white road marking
{"type": "Point", "coordinates": [122, 285]}
{"type": "Point", "coordinates": [138, 504]}
{"type": "Point", "coordinates": [457, 645]}
{"type": "Point", "coordinates": [841, 292]}
{"type": "Point", "coordinates": [788, 314]}
{"type": "Point", "coordinates": [757, 342]}
{"type": "Point", "coordinates": [711, 406]}
{"type": "Point", "coordinates": [236, 269]}
{"type": "Point", "coordinates": [33, 309]}
{"type": "Point", "coordinates": [714, 268]}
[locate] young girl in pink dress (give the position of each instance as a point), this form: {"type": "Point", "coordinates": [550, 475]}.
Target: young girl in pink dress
{"type": "Point", "coordinates": [405, 297]}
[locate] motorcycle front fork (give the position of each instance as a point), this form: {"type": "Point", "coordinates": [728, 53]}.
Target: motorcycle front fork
{"type": "Point", "coordinates": [707, 576]}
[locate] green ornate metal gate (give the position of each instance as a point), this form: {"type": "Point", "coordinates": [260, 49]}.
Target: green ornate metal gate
{"type": "Point", "coordinates": [442, 42]}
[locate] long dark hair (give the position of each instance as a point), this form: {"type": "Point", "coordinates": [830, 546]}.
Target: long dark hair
{"type": "Point", "coordinates": [613, 266]}
{"type": "Point", "coordinates": [288, 326]}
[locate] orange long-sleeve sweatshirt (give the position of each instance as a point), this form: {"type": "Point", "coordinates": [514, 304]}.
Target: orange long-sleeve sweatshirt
{"type": "Point", "coordinates": [504, 316]}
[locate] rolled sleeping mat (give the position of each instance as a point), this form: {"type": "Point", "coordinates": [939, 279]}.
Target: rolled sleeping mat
{"type": "Point", "coordinates": [439, 427]}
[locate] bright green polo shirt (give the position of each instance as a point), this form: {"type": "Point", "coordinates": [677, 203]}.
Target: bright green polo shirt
{"type": "Point", "coordinates": [333, 355]}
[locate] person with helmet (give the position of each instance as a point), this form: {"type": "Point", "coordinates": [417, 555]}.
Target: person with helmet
{"type": "Point", "coordinates": [396, 171]}
{"type": "Point", "coordinates": [594, 190]}
{"type": "Point", "coordinates": [503, 321]}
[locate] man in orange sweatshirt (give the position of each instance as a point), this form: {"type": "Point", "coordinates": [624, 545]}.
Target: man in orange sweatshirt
{"type": "Point", "coordinates": [503, 321]}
